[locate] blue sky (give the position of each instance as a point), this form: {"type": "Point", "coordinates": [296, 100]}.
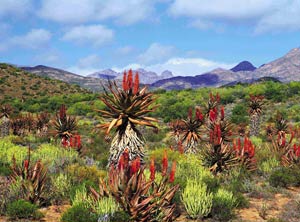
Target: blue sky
{"type": "Point", "coordinates": [187, 37]}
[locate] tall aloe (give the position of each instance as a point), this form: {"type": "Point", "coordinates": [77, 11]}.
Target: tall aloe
{"type": "Point", "coordinates": [4, 120]}
{"type": "Point", "coordinates": [191, 131]}
{"type": "Point", "coordinates": [255, 111]}
{"type": "Point", "coordinates": [126, 108]}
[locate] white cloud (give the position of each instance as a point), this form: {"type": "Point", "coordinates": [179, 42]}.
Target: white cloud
{"type": "Point", "coordinates": [267, 15]}
{"type": "Point", "coordinates": [156, 53]}
{"type": "Point", "coordinates": [15, 7]}
{"type": "Point", "coordinates": [96, 35]}
{"type": "Point", "coordinates": [34, 39]}
{"type": "Point", "coordinates": [90, 61]}
{"type": "Point", "coordinates": [81, 11]}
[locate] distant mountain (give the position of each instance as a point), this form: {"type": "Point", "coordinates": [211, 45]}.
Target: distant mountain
{"type": "Point", "coordinates": [243, 66]}
{"type": "Point", "coordinates": [20, 84]}
{"type": "Point", "coordinates": [146, 77]}
{"type": "Point", "coordinates": [285, 69]}
{"type": "Point", "coordinates": [90, 83]}
{"type": "Point", "coordinates": [104, 74]}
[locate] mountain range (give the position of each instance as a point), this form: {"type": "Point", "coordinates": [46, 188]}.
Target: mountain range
{"type": "Point", "coordinates": [285, 69]}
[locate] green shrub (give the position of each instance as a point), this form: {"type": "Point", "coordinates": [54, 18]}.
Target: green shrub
{"type": "Point", "coordinates": [104, 206]}
{"type": "Point", "coordinates": [60, 188]}
{"type": "Point", "coordinates": [78, 213]}
{"type": "Point", "coordinates": [196, 199]}
{"type": "Point", "coordinates": [80, 173]}
{"type": "Point", "coordinates": [56, 158]}
{"type": "Point", "coordinates": [284, 177]}
{"type": "Point", "coordinates": [81, 198]}
{"type": "Point", "coordinates": [267, 166]}
{"type": "Point", "coordinates": [190, 167]}
{"type": "Point", "coordinates": [22, 209]}
{"type": "Point", "coordinates": [8, 150]}
{"type": "Point", "coordinates": [223, 204]}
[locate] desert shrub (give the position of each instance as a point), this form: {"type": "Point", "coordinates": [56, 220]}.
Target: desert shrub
{"type": "Point", "coordinates": [190, 167]}
{"type": "Point", "coordinates": [196, 199]}
{"type": "Point", "coordinates": [4, 169]}
{"type": "Point", "coordinates": [158, 154]}
{"type": "Point", "coordinates": [267, 166]}
{"type": "Point", "coordinates": [56, 158]}
{"type": "Point", "coordinates": [81, 198]}
{"type": "Point", "coordinates": [60, 188]}
{"type": "Point", "coordinates": [284, 177]}
{"type": "Point", "coordinates": [8, 150]}
{"type": "Point", "coordinates": [223, 204]}
{"type": "Point", "coordinates": [80, 173]}
{"type": "Point", "coordinates": [104, 207]}
{"type": "Point", "coordinates": [78, 213]}
{"type": "Point", "coordinates": [22, 209]}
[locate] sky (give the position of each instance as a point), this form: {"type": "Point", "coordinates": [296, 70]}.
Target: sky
{"type": "Point", "coordinates": [187, 37]}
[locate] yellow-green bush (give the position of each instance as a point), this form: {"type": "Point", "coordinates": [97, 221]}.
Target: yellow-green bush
{"type": "Point", "coordinates": [56, 158]}
{"type": "Point", "coordinates": [8, 150]}
{"type": "Point", "coordinates": [196, 199]}
{"type": "Point", "coordinates": [223, 204]}
{"type": "Point", "coordinates": [81, 173]}
{"type": "Point", "coordinates": [267, 166]}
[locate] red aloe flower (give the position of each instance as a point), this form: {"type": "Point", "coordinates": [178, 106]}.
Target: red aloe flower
{"type": "Point", "coordinates": [78, 141]}
{"type": "Point", "coordinates": [180, 147]}
{"type": "Point", "coordinates": [172, 173]}
{"type": "Point", "coordinates": [190, 113]}
{"type": "Point", "coordinates": [297, 153]}
{"type": "Point", "coordinates": [199, 115]}
{"type": "Point", "coordinates": [211, 96]}
{"type": "Point", "coordinates": [136, 83]}
{"type": "Point", "coordinates": [121, 163]}
{"type": "Point", "coordinates": [124, 83]}
{"type": "Point", "coordinates": [152, 169]}
{"type": "Point", "coordinates": [71, 141]}
{"type": "Point", "coordinates": [239, 144]}
{"type": "Point", "coordinates": [222, 113]}
{"type": "Point", "coordinates": [26, 164]}
{"type": "Point", "coordinates": [164, 163]}
{"type": "Point", "coordinates": [126, 157]}
{"type": "Point", "coordinates": [218, 97]}
{"type": "Point", "coordinates": [135, 165]}
{"type": "Point", "coordinates": [212, 115]}
{"type": "Point", "coordinates": [129, 79]}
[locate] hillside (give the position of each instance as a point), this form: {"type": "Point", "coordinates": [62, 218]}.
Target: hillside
{"type": "Point", "coordinates": [17, 83]}
{"type": "Point", "coordinates": [93, 84]}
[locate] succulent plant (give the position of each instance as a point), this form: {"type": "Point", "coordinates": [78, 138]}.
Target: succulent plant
{"type": "Point", "coordinates": [245, 153]}
{"type": "Point", "coordinates": [143, 199]}
{"type": "Point", "coordinates": [32, 177]}
{"type": "Point", "coordinates": [4, 119]}
{"type": "Point", "coordinates": [127, 107]}
{"type": "Point", "coordinates": [64, 125]}
{"type": "Point", "coordinates": [191, 131]}
{"type": "Point", "coordinates": [255, 110]}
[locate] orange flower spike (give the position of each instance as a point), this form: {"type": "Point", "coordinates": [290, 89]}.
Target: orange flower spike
{"type": "Point", "coordinates": [211, 96]}
{"type": "Point", "coordinates": [136, 83]}
{"type": "Point", "coordinates": [199, 115]}
{"type": "Point", "coordinates": [152, 169]}
{"type": "Point", "coordinates": [126, 157]}
{"type": "Point", "coordinates": [222, 112]}
{"type": "Point", "coordinates": [292, 136]}
{"type": "Point", "coordinates": [239, 144]}
{"type": "Point", "coordinates": [138, 163]}
{"type": "Point", "coordinates": [164, 163]}
{"type": "Point", "coordinates": [124, 83]}
{"type": "Point", "coordinates": [190, 113]}
{"type": "Point", "coordinates": [134, 166]}
{"type": "Point", "coordinates": [121, 163]}
{"type": "Point", "coordinates": [129, 79]}
{"type": "Point", "coordinates": [172, 173]}
{"type": "Point", "coordinates": [180, 147]}
{"type": "Point", "coordinates": [26, 164]}
{"type": "Point", "coordinates": [218, 97]}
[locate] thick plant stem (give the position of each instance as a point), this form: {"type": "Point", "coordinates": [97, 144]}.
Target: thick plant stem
{"type": "Point", "coordinates": [129, 139]}
{"type": "Point", "coordinates": [254, 124]}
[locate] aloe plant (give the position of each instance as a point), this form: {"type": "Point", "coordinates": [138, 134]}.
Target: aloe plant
{"type": "Point", "coordinates": [4, 120]}
{"type": "Point", "coordinates": [255, 111]}
{"type": "Point", "coordinates": [143, 199]}
{"type": "Point", "coordinates": [127, 107]}
{"type": "Point", "coordinates": [32, 176]}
